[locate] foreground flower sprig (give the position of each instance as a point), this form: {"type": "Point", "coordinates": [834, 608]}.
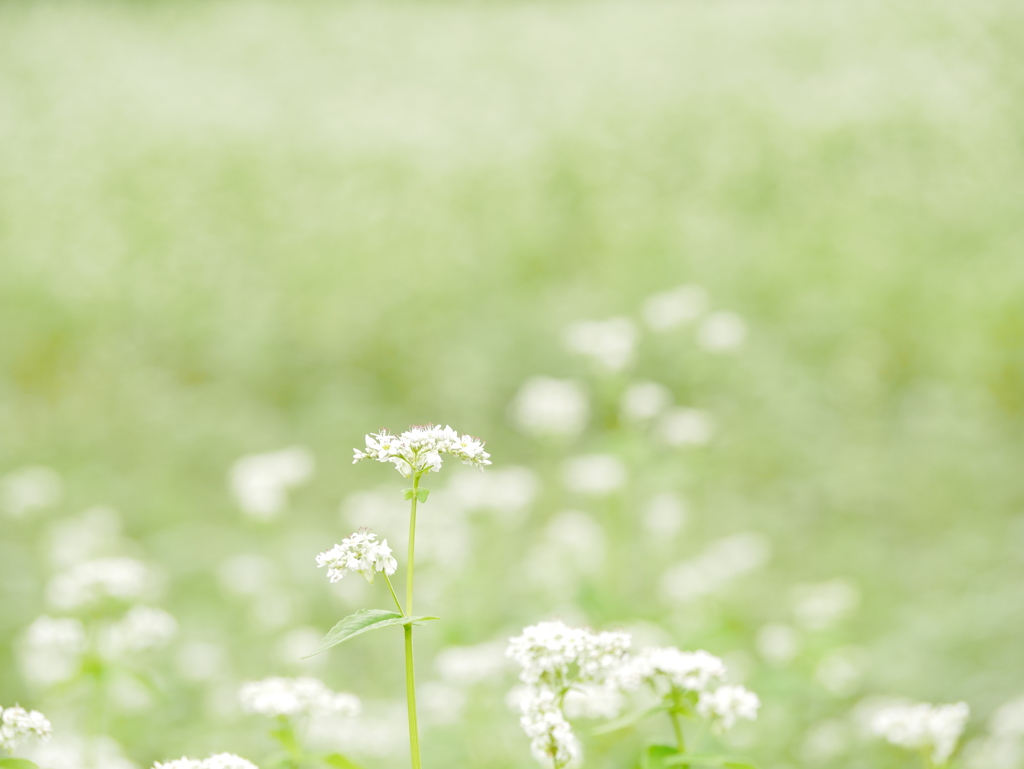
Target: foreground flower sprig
{"type": "Point", "coordinates": [359, 552]}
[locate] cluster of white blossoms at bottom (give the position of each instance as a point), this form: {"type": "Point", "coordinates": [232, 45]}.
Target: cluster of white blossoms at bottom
{"type": "Point", "coordinates": [552, 741]}
{"type": "Point", "coordinates": [219, 761]}
{"type": "Point", "coordinates": [934, 728]}
{"type": "Point", "coordinates": [16, 724]}
{"type": "Point", "coordinates": [292, 697]}
{"type": "Point", "coordinates": [361, 553]}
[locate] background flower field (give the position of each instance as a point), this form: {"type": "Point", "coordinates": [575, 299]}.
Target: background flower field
{"type": "Point", "coordinates": [237, 236]}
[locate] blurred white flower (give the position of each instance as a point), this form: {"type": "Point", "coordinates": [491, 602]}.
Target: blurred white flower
{"type": "Point", "coordinates": [260, 482]}
{"type": "Point", "coordinates": [88, 583]}
{"type": "Point", "coordinates": [442, 703]}
{"type": "Point", "coordinates": [93, 533]}
{"type": "Point", "coordinates": [219, 761]}
{"type": "Point", "coordinates": [644, 400]}
{"type": "Point", "coordinates": [824, 742]}
{"type": "Point", "coordinates": [994, 752]}
{"type": "Point", "coordinates": [594, 474]}
{"type": "Point", "coordinates": [721, 332]}
{"type": "Point", "coordinates": [777, 643]}
{"type": "Point", "coordinates": [28, 489]}
{"type": "Point", "coordinates": [469, 665]}
{"type": "Point", "coordinates": [608, 342]}
{"type": "Point", "coordinates": [546, 406]}
{"type": "Point", "coordinates": [504, 491]}
{"type": "Point", "coordinates": [555, 655]}
{"type": "Point", "coordinates": [1009, 718]}
{"type": "Point", "coordinates": [294, 697]}
{"type": "Point", "coordinates": [727, 704]}
{"type": "Point", "coordinates": [552, 741]}
{"type": "Point", "coordinates": [69, 751]}
{"type": "Point", "coordinates": [686, 427]}
{"type": "Point", "coordinates": [668, 668]}
{"type": "Point", "coordinates": [721, 563]}
{"type": "Point", "coordinates": [18, 724]}
{"type": "Point", "coordinates": [664, 516]}
{"type": "Point", "coordinates": [842, 670]}
{"type": "Point", "coordinates": [359, 552]}
{"type": "Point", "coordinates": [576, 539]}
{"type": "Point", "coordinates": [51, 650]}
{"type": "Point", "coordinates": [419, 449]}
{"type": "Point", "coordinates": [593, 701]}
{"type": "Point", "coordinates": [821, 606]}
{"type": "Point", "coordinates": [201, 660]}
{"type": "Point", "coordinates": [143, 628]}
{"type": "Point", "coordinates": [923, 727]}
{"type": "Point", "coordinates": [670, 309]}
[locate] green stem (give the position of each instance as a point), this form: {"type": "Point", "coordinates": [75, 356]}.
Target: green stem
{"type": "Point", "coordinates": [410, 675]}
{"type": "Point", "coordinates": [678, 729]}
{"type": "Point", "coordinates": [393, 595]}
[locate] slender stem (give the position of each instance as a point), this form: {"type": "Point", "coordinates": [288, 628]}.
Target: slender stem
{"type": "Point", "coordinates": [392, 589]}
{"type": "Point", "coordinates": [410, 675]}
{"type": "Point", "coordinates": [678, 729]}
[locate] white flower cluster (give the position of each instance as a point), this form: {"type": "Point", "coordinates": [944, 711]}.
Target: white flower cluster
{"type": "Point", "coordinates": [219, 761]}
{"type": "Point", "coordinates": [88, 583]}
{"type": "Point", "coordinates": [260, 482]}
{"type": "Point", "coordinates": [923, 726]}
{"type": "Point", "coordinates": [143, 628]}
{"type": "Point", "coordinates": [552, 741]}
{"type": "Point", "coordinates": [726, 704]}
{"type": "Point", "coordinates": [551, 407]}
{"type": "Point", "coordinates": [666, 668]}
{"type": "Point", "coordinates": [17, 723]}
{"type": "Point", "coordinates": [51, 649]}
{"type": "Point", "coordinates": [554, 655]}
{"type": "Point", "coordinates": [29, 489]}
{"type": "Point", "coordinates": [359, 552]}
{"type": "Point", "coordinates": [609, 342]}
{"type": "Point", "coordinates": [293, 697]}
{"type": "Point", "coordinates": [419, 449]}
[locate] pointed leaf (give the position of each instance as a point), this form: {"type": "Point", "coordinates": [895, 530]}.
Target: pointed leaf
{"type": "Point", "coordinates": [361, 622]}
{"type": "Point", "coordinates": [340, 762]}
{"type": "Point", "coordinates": [408, 493]}
{"type": "Point", "coordinates": [710, 759]}
{"type": "Point", "coordinates": [17, 763]}
{"type": "Point", "coordinates": [626, 721]}
{"type": "Point", "coordinates": [656, 756]}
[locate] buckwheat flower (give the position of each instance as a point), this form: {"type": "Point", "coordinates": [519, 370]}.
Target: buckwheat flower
{"type": "Point", "coordinates": [86, 584]}
{"type": "Point", "coordinates": [51, 649]}
{"type": "Point", "coordinates": [933, 728]}
{"type": "Point", "coordinates": [609, 342]}
{"type": "Point", "coordinates": [644, 400]}
{"type": "Point", "coordinates": [664, 516]}
{"type": "Point", "coordinates": [727, 704]}
{"type": "Point", "coordinates": [722, 332]}
{"type": "Point", "coordinates": [777, 643]}
{"type": "Point", "coordinates": [17, 724]}
{"type": "Point", "coordinates": [670, 309]}
{"type": "Point", "coordinates": [29, 489]}
{"type": "Point", "coordinates": [179, 763]}
{"type": "Point", "coordinates": [668, 668]}
{"type": "Point", "coordinates": [552, 741]}
{"type": "Point", "coordinates": [359, 552]}
{"type": "Point", "coordinates": [1009, 718]}
{"type": "Point", "coordinates": [594, 474]}
{"type": "Point", "coordinates": [551, 407]}
{"type": "Point", "coordinates": [293, 697]}
{"type": "Point", "coordinates": [686, 427]}
{"type": "Point", "coordinates": [260, 482]}
{"type": "Point", "coordinates": [821, 606]}
{"type": "Point", "coordinates": [143, 628]}
{"type": "Point", "coordinates": [227, 761]}
{"type": "Point", "coordinates": [419, 449]}
{"type": "Point", "coordinates": [556, 655]}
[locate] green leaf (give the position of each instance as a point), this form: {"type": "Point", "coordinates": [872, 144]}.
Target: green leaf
{"type": "Point", "coordinates": [340, 762]}
{"type": "Point", "coordinates": [361, 622]}
{"type": "Point", "coordinates": [710, 759]}
{"type": "Point", "coordinates": [409, 493]}
{"type": "Point", "coordinates": [17, 763]}
{"type": "Point", "coordinates": [422, 495]}
{"type": "Point", "coordinates": [626, 721]}
{"type": "Point", "coordinates": [657, 756]}
{"type": "Point", "coordinates": [286, 737]}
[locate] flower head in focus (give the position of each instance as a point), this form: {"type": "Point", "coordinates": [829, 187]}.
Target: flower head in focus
{"type": "Point", "coordinates": [727, 704]}
{"type": "Point", "coordinates": [17, 724]}
{"type": "Point", "coordinates": [359, 552]}
{"type": "Point", "coordinates": [293, 697]}
{"type": "Point", "coordinates": [419, 449]}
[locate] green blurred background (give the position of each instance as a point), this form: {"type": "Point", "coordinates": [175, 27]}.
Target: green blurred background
{"type": "Point", "coordinates": [231, 227]}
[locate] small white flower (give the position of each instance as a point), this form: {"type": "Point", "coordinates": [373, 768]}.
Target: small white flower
{"type": "Point", "coordinates": [935, 728]}
{"type": "Point", "coordinates": [29, 489]}
{"type": "Point", "coordinates": [179, 763]}
{"type": "Point", "coordinates": [668, 668]}
{"type": "Point", "coordinates": [777, 644]}
{"type": "Point", "coordinates": [17, 724]}
{"type": "Point", "coordinates": [726, 704]}
{"type": "Point", "coordinates": [609, 342]}
{"type": "Point", "coordinates": [418, 450]}
{"type": "Point", "coordinates": [670, 309]}
{"type": "Point", "coordinates": [87, 584]}
{"type": "Point", "coordinates": [546, 406]}
{"type": "Point", "coordinates": [594, 474]}
{"type": "Point", "coordinates": [721, 332]}
{"type": "Point", "coordinates": [552, 741]}
{"type": "Point", "coordinates": [359, 552]}
{"type": "Point", "coordinates": [143, 628]}
{"type": "Point", "coordinates": [686, 427]}
{"type": "Point", "coordinates": [820, 606]}
{"type": "Point", "coordinates": [644, 400]}
{"type": "Point", "coordinates": [295, 697]}
{"type": "Point", "coordinates": [219, 761]}
{"type": "Point", "coordinates": [260, 482]}
{"type": "Point", "coordinates": [557, 655]}
{"type": "Point", "coordinates": [1009, 718]}
{"type": "Point", "coordinates": [665, 516]}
